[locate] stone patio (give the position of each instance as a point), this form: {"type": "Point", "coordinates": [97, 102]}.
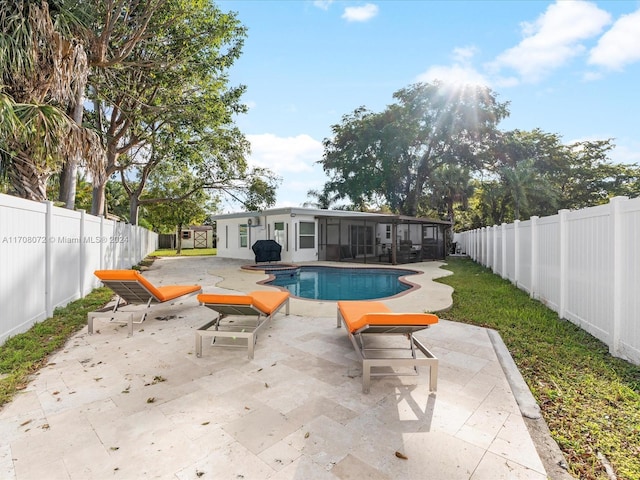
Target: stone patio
{"type": "Point", "coordinates": [112, 406]}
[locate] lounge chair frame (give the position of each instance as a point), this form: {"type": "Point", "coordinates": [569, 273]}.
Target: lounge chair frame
{"type": "Point", "coordinates": [235, 330]}
{"type": "Point", "coordinates": [136, 294]}
{"type": "Point", "coordinates": [371, 361]}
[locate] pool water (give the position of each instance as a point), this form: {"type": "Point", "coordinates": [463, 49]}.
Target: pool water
{"type": "Point", "coordinates": [334, 283]}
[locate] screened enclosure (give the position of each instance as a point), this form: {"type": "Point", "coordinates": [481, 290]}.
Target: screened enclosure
{"type": "Point", "coordinates": [386, 239]}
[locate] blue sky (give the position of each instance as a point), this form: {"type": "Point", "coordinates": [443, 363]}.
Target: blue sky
{"type": "Point", "coordinates": [566, 67]}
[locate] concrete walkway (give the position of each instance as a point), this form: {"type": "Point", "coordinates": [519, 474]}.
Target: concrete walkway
{"type": "Point", "coordinates": [112, 406]}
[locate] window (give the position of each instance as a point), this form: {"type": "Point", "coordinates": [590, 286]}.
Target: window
{"type": "Point", "coordinates": [243, 235]}
{"type": "Point", "coordinates": [307, 235]}
{"type": "Point", "coordinates": [278, 233]}
{"type": "Point", "coordinates": [388, 232]}
{"type": "Point", "coordinates": [186, 234]}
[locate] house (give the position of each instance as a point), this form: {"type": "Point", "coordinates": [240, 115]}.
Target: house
{"type": "Point", "coordinates": [334, 235]}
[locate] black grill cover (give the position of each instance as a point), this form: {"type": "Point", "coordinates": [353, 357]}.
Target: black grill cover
{"type": "Point", "coordinates": [267, 251]}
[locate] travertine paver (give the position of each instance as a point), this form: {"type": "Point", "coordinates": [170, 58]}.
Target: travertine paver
{"type": "Point", "coordinates": [112, 406]}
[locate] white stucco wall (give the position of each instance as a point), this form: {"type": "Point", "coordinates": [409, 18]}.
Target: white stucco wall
{"type": "Point", "coordinates": [228, 232]}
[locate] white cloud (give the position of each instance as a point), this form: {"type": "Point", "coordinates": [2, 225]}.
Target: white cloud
{"type": "Point", "coordinates": [322, 4]}
{"type": "Point", "coordinates": [453, 74]}
{"type": "Point", "coordinates": [360, 14]}
{"type": "Point", "coordinates": [464, 54]}
{"type": "Point", "coordinates": [284, 154]}
{"type": "Point", "coordinates": [461, 72]}
{"type": "Point", "coordinates": [626, 154]}
{"type": "Point", "coordinates": [553, 39]}
{"type": "Point", "coordinates": [620, 45]}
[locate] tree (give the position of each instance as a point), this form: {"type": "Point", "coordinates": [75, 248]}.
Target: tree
{"type": "Point", "coordinates": [176, 106]}
{"type": "Point", "coordinates": [491, 203]}
{"type": "Point", "coordinates": [190, 207]}
{"type": "Point", "coordinates": [394, 154]}
{"type": "Point", "coordinates": [451, 186]}
{"type": "Point", "coordinates": [109, 31]}
{"type": "Point", "coordinates": [42, 73]}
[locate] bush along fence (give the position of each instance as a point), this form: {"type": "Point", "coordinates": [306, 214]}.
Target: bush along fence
{"type": "Point", "coordinates": [48, 256]}
{"type": "Point", "coordinates": [583, 264]}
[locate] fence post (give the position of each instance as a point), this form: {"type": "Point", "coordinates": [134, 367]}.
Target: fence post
{"type": "Point", "coordinates": [48, 260]}
{"type": "Point", "coordinates": [115, 258]}
{"type": "Point", "coordinates": [516, 252]}
{"type": "Point", "coordinates": [83, 256]}
{"type": "Point", "coordinates": [484, 246]}
{"type": "Point", "coordinates": [617, 247]}
{"type": "Point", "coordinates": [489, 247]}
{"type": "Point", "coordinates": [102, 243]}
{"type": "Point", "coordinates": [534, 257]}
{"type": "Point", "coordinates": [503, 250]}
{"type": "Point", "coordinates": [130, 246]}
{"type": "Point", "coordinates": [564, 248]}
{"type": "Point", "coordinates": [494, 256]}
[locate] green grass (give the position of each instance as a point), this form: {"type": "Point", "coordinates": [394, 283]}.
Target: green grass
{"type": "Point", "coordinates": [23, 354]}
{"type": "Point", "coordinates": [191, 252]}
{"type": "Point", "coordinates": [589, 399]}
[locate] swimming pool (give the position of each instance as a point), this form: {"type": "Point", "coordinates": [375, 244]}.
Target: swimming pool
{"type": "Point", "coordinates": [335, 283]}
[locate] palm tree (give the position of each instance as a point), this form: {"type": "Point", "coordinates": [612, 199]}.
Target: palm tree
{"type": "Point", "coordinates": [42, 74]}
{"type": "Point", "coordinates": [452, 185]}
{"type": "Point", "coordinates": [519, 181]}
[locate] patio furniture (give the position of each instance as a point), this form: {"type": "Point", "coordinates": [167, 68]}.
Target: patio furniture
{"type": "Point", "coordinates": [134, 289]}
{"type": "Point", "coordinates": [239, 332]}
{"type": "Point", "coordinates": [373, 321]}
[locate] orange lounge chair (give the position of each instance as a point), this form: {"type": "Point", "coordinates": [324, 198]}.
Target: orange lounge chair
{"type": "Point", "coordinates": [262, 305]}
{"type": "Point", "coordinates": [134, 289]}
{"type": "Point", "coordinates": [373, 319]}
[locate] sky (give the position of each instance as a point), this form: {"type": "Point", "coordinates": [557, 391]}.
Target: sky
{"type": "Point", "coordinates": [568, 67]}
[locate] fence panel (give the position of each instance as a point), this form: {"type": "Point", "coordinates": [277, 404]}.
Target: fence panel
{"type": "Point", "coordinates": [548, 255]}
{"type": "Point", "coordinates": [23, 241]}
{"type": "Point", "coordinates": [65, 255]}
{"type": "Point", "coordinates": [629, 304]}
{"type": "Point", "coordinates": [92, 250]}
{"type": "Point", "coordinates": [524, 258]}
{"type": "Point", "coordinates": [509, 242]}
{"type": "Point", "coordinates": [496, 254]}
{"type": "Point", "coordinates": [48, 256]}
{"type": "Point", "coordinates": [589, 276]}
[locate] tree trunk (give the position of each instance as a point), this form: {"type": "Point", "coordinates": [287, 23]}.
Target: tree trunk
{"type": "Point", "coordinates": [69, 173]}
{"type": "Point", "coordinates": [97, 200]}
{"type": "Point", "coordinates": [179, 240]}
{"type": "Point", "coordinates": [26, 180]}
{"type": "Point", "coordinates": [134, 207]}
{"type": "Point", "coordinates": [68, 176]}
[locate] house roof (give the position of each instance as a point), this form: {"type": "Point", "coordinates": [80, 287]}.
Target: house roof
{"type": "Point", "coordinates": [318, 213]}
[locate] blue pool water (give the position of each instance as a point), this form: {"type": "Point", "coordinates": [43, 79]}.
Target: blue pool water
{"type": "Point", "coordinates": [333, 283]}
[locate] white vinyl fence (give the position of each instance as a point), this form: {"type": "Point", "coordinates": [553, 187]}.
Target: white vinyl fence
{"type": "Point", "coordinates": [48, 256]}
{"type": "Point", "coordinates": [583, 264]}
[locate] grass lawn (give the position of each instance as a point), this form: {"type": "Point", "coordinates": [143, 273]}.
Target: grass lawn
{"type": "Point", "coordinates": [23, 354]}
{"type": "Point", "coordinates": [589, 399]}
{"type": "Point", "coordinates": [190, 252]}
